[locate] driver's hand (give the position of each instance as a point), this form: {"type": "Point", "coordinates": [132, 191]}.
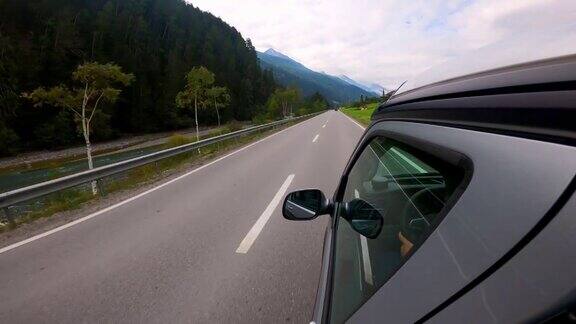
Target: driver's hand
{"type": "Point", "coordinates": [406, 244]}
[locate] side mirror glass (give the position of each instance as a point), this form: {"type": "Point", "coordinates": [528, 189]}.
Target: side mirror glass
{"type": "Point", "coordinates": [364, 218]}
{"type": "Point", "coordinates": [305, 205]}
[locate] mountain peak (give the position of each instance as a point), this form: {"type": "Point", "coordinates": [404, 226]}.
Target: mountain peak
{"type": "Point", "coordinates": [273, 52]}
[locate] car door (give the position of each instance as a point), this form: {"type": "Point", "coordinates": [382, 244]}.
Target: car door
{"type": "Point", "coordinates": [453, 202]}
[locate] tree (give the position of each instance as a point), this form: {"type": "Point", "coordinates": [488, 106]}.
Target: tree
{"type": "Point", "coordinates": [220, 97]}
{"type": "Point", "coordinates": [42, 41]}
{"type": "Point", "coordinates": [312, 104]}
{"type": "Point", "coordinates": [195, 94]}
{"type": "Point", "coordinates": [317, 102]}
{"type": "Point", "coordinates": [386, 95]}
{"type": "Point", "coordinates": [98, 84]}
{"type": "Point", "coordinates": [273, 106]}
{"type": "Point", "coordinates": [287, 98]}
{"type": "Point", "coordinates": [283, 99]}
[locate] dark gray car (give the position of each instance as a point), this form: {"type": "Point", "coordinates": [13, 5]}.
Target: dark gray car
{"type": "Point", "coordinates": [457, 205]}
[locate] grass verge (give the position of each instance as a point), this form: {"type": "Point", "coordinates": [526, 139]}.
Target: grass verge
{"type": "Point", "coordinates": [362, 115]}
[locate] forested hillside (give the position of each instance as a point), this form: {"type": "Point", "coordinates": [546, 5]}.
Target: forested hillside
{"type": "Point", "coordinates": [158, 41]}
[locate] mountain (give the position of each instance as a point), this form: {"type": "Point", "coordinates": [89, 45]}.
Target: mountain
{"type": "Point", "coordinates": [273, 52]}
{"type": "Point", "coordinates": [289, 72]}
{"type": "Point", "coordinates": [373, 87]}
{"type": "Point", "coordinates": [378, 88]}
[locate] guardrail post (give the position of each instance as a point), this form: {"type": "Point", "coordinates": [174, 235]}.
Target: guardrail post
{"type": "Point", "coordinates": [9, 217]}
{"type": "Point", "coordinates": [100, 188]}
{"type": "Point", "coordinates": [157, 167]}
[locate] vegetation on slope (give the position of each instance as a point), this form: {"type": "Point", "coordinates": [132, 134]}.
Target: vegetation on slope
{"type": "Point", "coordinates": [158, 41]}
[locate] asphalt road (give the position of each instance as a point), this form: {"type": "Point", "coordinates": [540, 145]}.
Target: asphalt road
{"type": "Point", "coordinates": [174, 254]}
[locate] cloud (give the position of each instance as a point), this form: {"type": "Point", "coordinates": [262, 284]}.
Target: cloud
{"type": "Point", "coordinates": [384, 41]}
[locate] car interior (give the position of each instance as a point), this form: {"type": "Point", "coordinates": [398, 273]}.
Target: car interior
{"type": "Point", "coordinates": [409, 189]}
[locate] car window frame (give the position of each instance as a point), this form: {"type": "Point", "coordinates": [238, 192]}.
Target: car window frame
{"type": "Point", "coordinates": [424, 146]}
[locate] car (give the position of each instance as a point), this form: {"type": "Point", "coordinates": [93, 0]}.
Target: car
{"type": "Point", "coordinates": [457, 205]}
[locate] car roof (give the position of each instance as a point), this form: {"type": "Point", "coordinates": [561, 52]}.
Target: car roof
{"type": "Point", "coordinates": [535, 99]}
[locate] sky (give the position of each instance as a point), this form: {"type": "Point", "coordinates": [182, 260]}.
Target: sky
{"type": "Point", "coordinates": [384, 41]}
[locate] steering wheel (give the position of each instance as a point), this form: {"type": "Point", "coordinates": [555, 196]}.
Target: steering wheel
{"type": "Point", "coordinates": [419, 211]}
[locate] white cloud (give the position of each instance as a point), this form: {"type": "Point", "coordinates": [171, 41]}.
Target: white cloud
{"type": "Point", "coordinates": [383, 41]}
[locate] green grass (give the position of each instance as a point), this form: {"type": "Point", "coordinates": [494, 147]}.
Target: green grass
{"type": "Point", "coordinates": [362, 115]}
{"type": "Point", "coordinates": [68, 199]}
{"type": "Point", "coordinates": [178, 140]}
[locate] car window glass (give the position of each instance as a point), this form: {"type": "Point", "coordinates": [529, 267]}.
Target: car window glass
{"type": "Point", "coordinates": [409, 189]}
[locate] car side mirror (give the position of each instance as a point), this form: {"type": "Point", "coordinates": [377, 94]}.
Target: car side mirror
{"type": "Point", "coordinates": [364, 218]}
{"type": "Point", "coordinates": [305, 205]}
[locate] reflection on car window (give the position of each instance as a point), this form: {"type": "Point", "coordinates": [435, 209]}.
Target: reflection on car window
{"type": "Point", "coordinates": [409, 189]}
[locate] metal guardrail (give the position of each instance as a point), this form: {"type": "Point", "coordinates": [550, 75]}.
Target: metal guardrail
{"type": "Point", "coordinates": [44, 188]}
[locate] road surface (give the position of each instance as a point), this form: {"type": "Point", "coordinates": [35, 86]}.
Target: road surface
{"type": "Point", "coordinates": [210, 246]}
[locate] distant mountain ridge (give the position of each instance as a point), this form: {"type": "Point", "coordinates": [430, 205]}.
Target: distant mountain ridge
{"type": "Point", "coordinates": [289, 72]}
{"type": "Point", "coordinates": [375, 88]}
{"type": "Point", "coordinates": [378, 88]}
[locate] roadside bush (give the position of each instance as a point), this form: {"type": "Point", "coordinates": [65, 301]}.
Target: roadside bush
{"type": "Point", "coordinates": [233, 126]}
{"type": "Point", "coordinates": [101, 129]}
{"type": "Point", "coordinates": [260, 119]}
{"type": "Point", "coordinates": [8, 140]}
{"type": "Point", "coordinates": [302, 111]}
{"type": "Point", "coordinates": [178, 140]}
{"type": "Point", "coordinates": [57, 132]}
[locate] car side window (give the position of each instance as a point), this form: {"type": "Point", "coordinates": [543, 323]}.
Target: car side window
{"type": "Point", "coordinates": [409, 189]}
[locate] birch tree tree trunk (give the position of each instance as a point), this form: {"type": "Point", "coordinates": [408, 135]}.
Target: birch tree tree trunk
{"type": "Point", "coordinates": [284, 110]}
{"type": "Point", "coordinates": [90, 162]}
{"type": "Point", "coordinates": [86, 133]}
{"type": "Point", "coordinates": [196, 120]}
{"type": "Point", "coordinates": [217, 113]}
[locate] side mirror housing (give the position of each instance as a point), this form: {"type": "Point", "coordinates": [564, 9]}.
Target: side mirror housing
{"type": "Point", "coordinates": [304, 205]}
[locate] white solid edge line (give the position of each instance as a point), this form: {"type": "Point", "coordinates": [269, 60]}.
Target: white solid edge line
{"type": "Point", "coordinates": [315, 138]}
{"type": "Point", "coordinates": [102, 211]}
{"type": "Point", "coordinates": [263, 219]}
{"type": "Point", "coordinates": [355, 122]}
{"type": "Point", "coordinates": [366, 261]}
{"type": "Point", "coordinates": [368, 277]}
